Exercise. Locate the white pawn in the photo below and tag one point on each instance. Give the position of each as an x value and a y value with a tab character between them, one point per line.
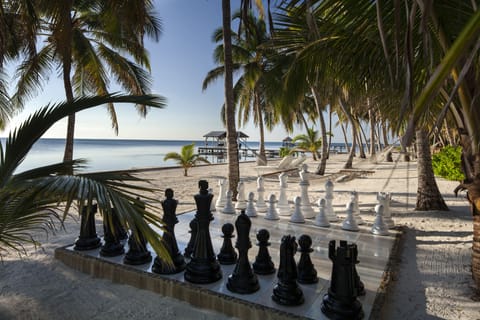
250	210
283	207
379	226
212	204
332	217
356	208
272	213
229	208
220	203
297	216
349	223
306	208
321	219
385	200
261	206
241	202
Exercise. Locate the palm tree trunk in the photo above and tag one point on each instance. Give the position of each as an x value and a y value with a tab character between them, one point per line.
385	134
261	128
323	130
428	194
232	146
371	115
351	154
329	130
344	131
476	248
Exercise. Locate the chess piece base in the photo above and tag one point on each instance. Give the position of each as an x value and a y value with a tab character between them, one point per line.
288	294
112	249
202	273
83	244
243	285
336	309
263	268
137	258
227	258
160	267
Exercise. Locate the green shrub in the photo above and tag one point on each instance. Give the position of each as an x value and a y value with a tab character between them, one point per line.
447	163
284	151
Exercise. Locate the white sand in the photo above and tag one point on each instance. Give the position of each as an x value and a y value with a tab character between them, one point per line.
431	277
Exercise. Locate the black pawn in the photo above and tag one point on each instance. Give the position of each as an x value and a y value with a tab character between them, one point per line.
112	246
263	261
118	228
243	280
193	235
88	239
305	268
287	292
227	254
169	206
137	245
203	266
341	300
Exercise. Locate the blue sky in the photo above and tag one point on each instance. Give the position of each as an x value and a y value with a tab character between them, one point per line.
179	62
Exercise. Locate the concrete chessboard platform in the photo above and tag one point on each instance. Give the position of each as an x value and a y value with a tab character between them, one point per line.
373	253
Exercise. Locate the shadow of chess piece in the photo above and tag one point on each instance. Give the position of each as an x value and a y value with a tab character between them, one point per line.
203	266
263	262
137	244
287	292
169	206
341	300
88	238
305	268
193	235
112	246
243	280
227	253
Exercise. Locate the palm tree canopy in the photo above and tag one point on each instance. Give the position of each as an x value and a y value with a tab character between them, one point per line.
187	157
309	141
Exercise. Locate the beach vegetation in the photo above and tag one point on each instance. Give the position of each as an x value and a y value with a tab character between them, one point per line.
447	163
187	158
309	142
38	198
90	43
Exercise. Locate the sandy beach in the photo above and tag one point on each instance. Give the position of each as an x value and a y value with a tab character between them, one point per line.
430	276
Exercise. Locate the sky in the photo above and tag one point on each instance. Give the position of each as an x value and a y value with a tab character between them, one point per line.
179	61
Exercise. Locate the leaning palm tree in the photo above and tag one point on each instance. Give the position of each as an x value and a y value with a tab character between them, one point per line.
308	142
186	158
90	43
35	198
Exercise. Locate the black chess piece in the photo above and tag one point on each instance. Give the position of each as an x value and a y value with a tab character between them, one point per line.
169	240
286	291
137	245
112	245
203	267
193	235
243	280
88	239
305	268
118	228
263	263
341	300
227	254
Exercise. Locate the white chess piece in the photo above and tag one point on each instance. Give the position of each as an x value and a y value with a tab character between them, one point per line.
212	204
229	208
385	198
379	226
297	216
272	213
332	217
220	203
356	208
321	219
261	206
306	207
283	207
349	223
250	209
241	202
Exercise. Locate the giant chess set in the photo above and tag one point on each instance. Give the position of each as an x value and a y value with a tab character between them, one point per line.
261	258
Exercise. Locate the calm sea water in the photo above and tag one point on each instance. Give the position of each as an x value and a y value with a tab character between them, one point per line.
113	154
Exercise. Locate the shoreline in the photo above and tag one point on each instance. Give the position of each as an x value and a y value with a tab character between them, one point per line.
430	276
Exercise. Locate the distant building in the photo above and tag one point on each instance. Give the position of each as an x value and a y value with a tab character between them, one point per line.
288	143
217	138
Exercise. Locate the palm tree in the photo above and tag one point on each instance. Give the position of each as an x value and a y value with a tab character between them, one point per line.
186	158
308	142
93	40
35	198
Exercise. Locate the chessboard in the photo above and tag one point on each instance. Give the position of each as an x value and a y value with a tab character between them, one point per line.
374	252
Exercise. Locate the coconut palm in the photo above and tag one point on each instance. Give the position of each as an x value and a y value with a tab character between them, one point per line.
309	142
91	42
186	158
36	198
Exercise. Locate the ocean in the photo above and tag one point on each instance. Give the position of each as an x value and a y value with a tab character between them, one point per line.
116	154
